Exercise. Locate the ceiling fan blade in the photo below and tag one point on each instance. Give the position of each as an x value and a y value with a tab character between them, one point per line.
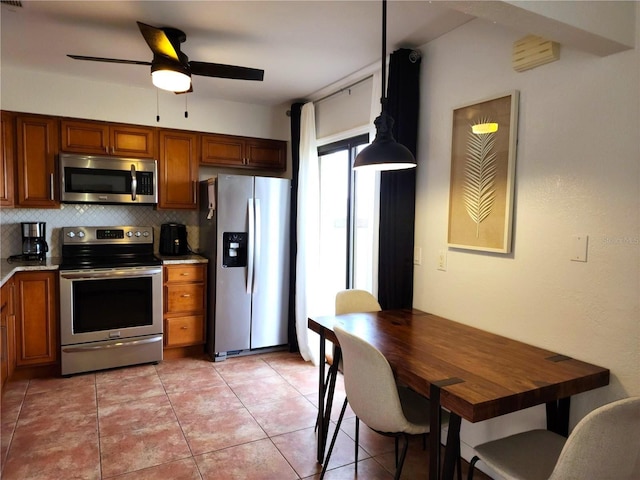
108	60
159	42
226	71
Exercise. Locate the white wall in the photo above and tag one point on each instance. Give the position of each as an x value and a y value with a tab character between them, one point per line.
578	172
39	92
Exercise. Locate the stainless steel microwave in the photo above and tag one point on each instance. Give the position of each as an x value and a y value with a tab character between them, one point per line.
94	179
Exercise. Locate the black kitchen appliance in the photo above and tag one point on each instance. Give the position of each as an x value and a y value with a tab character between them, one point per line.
34	245
173	239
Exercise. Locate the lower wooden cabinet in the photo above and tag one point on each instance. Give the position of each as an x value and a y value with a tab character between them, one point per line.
36	318
184	304
7	331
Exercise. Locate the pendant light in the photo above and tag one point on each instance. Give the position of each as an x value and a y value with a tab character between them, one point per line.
384	153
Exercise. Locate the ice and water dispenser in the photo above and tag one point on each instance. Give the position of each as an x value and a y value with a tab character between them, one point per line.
234	248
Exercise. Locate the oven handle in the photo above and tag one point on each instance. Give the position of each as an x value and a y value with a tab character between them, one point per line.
118	344
112	273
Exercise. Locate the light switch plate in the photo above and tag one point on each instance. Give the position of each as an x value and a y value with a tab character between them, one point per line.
442	260
579	247
417	256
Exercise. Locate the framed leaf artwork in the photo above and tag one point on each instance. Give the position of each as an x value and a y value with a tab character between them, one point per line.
483	157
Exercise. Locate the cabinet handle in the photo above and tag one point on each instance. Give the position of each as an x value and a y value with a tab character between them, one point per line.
51	186
186	295
195	192
184	274
184	328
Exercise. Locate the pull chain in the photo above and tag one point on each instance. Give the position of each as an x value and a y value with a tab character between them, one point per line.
157	106
186	112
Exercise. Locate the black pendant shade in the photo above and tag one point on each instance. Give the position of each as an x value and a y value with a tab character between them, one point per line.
384	153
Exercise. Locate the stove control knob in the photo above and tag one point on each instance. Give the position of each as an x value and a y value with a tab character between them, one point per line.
81	234
138	234
145	234
71	234
129	234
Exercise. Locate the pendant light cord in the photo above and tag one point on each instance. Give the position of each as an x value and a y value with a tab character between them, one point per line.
383	99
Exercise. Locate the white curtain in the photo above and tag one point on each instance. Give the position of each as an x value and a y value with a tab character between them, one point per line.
308	234
376	108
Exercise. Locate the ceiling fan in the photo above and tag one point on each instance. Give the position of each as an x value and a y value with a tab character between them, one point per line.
170	68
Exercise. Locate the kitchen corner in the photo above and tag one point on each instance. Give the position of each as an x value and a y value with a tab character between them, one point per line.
8	269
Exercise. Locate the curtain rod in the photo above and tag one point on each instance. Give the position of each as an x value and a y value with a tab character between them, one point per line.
362	80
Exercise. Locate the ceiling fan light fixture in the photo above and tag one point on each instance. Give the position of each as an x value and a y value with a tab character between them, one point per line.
172	78
384	153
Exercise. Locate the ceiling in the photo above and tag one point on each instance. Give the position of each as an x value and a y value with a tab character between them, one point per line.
303	46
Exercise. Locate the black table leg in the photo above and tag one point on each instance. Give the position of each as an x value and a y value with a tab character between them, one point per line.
452	450
558	416
434	432
322	440
324	409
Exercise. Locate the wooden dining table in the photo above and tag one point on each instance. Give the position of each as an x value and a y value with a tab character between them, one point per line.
473	374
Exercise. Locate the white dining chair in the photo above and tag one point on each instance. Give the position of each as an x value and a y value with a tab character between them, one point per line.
376	399
604	445
349	301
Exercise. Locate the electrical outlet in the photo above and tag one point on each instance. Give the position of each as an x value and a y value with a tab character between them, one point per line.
442	260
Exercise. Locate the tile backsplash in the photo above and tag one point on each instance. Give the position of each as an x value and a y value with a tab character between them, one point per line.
72	215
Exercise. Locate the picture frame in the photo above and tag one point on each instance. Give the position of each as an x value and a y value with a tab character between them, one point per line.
483	161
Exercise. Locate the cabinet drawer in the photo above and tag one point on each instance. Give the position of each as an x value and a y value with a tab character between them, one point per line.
181	331
185	273
185	298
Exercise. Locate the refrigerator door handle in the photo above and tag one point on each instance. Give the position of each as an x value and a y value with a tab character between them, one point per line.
257	243
250	244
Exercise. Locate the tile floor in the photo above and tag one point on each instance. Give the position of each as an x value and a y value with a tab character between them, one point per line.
186	419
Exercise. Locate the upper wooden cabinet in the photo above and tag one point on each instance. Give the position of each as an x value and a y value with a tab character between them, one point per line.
7	159
37	145
178	170
99	138
243	152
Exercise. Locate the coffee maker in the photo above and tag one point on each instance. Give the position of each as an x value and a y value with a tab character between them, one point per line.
34	245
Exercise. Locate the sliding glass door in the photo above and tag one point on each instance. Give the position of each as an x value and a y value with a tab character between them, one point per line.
348	221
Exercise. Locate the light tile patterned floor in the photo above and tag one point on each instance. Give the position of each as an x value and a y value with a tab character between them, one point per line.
188	419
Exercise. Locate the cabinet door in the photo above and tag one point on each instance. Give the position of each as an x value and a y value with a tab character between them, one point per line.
184	331
36	318
7	335
130	141
8	158
222	150
184	298
98	138
84	137
178	170
263	153
37	146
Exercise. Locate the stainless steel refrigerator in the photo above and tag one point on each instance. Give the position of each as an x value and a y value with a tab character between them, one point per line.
244	232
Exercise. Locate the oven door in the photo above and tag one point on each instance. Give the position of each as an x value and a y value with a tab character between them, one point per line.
110	304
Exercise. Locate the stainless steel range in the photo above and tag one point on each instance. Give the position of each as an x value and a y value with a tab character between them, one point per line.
110	298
